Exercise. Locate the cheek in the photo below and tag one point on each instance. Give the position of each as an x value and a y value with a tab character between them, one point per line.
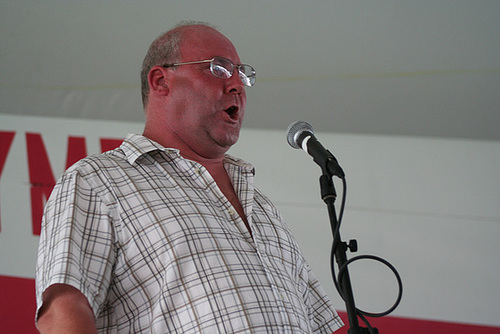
190	104
243	103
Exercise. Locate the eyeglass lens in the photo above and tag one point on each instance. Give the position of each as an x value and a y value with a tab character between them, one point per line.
223	68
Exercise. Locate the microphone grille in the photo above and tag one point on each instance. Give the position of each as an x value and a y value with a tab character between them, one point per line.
294	129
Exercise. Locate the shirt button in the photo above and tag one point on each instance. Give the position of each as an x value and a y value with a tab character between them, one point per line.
231	212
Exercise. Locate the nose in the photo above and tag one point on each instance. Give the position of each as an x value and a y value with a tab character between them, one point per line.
234	85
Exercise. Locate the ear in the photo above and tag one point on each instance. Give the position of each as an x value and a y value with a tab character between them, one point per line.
158	82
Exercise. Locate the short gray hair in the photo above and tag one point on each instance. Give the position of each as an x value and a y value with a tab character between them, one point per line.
164	50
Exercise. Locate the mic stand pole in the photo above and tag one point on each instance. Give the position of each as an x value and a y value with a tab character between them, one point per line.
329	195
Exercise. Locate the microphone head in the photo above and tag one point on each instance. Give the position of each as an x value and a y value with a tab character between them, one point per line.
294	131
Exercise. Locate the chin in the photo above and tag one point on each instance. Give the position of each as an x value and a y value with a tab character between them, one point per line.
228	142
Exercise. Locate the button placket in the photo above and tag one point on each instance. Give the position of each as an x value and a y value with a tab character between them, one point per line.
215	195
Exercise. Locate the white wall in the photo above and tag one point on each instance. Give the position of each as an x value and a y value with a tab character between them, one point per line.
428	206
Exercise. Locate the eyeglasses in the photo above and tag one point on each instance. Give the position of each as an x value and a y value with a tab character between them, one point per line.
223	68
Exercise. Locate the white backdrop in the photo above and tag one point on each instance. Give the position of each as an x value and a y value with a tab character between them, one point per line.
428	206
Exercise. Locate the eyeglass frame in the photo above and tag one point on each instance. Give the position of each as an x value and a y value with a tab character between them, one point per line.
251	78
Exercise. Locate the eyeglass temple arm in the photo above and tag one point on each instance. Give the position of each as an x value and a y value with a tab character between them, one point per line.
188	63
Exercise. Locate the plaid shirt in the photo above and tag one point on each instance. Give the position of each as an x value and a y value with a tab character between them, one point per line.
154	245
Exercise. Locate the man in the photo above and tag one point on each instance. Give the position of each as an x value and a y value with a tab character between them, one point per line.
166	234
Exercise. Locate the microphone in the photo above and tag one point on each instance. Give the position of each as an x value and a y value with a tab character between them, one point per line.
300	134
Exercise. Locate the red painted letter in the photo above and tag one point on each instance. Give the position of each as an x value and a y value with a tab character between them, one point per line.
41	178
77	149
108	144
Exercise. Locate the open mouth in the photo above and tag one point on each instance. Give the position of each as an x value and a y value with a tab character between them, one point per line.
232	112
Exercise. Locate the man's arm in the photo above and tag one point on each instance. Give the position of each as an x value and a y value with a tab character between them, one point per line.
65	310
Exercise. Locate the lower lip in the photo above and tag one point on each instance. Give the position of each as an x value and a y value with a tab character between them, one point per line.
234	118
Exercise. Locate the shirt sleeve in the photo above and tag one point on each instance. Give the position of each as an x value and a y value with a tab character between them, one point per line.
324	319
76	241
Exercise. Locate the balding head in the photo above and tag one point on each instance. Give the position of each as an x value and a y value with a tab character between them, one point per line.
166	49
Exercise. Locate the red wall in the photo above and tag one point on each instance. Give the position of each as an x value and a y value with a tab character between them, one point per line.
17	312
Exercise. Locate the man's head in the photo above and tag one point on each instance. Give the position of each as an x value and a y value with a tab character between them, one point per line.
190	106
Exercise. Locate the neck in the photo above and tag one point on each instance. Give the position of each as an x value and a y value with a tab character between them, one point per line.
209	161
210	164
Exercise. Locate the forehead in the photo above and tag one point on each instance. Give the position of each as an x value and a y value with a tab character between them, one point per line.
202	43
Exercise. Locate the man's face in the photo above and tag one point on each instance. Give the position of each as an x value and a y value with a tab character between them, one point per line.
204	111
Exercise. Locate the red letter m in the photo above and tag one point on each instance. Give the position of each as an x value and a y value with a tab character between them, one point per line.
42	179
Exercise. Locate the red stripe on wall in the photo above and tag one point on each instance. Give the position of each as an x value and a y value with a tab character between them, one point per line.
17	305
397	325
17	312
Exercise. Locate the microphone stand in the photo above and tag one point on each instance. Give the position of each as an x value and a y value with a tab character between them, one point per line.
330	168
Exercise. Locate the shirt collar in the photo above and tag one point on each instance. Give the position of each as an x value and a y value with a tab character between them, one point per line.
135	146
